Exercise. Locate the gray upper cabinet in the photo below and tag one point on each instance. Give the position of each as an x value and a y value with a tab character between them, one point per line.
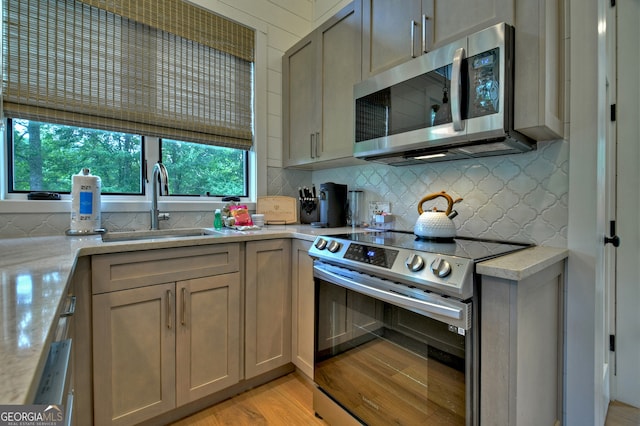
539	69
395	31
318	77
300	109
456	18
390	33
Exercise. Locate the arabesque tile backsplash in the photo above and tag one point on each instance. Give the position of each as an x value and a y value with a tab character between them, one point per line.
522	197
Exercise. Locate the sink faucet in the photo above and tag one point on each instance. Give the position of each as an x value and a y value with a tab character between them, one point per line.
161	177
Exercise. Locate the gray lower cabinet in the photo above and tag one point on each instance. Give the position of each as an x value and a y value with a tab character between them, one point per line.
207	336
133	354
159	345
303	309
267	305
522	349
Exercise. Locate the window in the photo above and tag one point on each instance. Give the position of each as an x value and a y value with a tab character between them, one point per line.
44	156
196	169
164	69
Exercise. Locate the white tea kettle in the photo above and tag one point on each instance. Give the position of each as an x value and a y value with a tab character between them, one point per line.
435	224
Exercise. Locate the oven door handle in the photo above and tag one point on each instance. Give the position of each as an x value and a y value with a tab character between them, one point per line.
428	308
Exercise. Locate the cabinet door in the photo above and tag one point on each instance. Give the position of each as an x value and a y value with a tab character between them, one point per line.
133	354
386	33
539	81
302	306
395	31
268	306
208	336
300	103
317	92
341	46
454	19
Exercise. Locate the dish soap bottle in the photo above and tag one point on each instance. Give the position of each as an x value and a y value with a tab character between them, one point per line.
217	219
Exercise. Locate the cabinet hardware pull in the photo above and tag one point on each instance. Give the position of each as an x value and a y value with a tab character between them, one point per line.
184	305
318	151
169	309
424	33
311	145
413	37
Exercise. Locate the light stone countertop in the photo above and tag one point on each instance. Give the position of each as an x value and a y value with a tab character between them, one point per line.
36	273
522	264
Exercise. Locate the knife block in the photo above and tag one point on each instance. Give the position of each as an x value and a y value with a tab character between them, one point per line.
310	214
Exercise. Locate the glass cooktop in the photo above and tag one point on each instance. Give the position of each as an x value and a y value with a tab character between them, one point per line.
464	247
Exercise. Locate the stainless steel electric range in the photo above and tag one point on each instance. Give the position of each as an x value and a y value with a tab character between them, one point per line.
396	327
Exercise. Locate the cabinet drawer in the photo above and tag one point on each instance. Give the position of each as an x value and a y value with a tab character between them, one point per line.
119	271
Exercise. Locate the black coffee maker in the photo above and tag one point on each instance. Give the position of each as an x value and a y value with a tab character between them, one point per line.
333	205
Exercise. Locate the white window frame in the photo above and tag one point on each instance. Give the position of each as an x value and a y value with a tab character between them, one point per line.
18	202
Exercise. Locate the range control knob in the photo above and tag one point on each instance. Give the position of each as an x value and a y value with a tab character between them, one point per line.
334	246
440	267
321	244
414	263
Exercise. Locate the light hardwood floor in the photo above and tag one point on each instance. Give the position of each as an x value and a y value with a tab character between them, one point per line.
620	414
288	401
285	401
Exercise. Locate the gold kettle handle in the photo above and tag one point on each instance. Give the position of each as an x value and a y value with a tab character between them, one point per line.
450	201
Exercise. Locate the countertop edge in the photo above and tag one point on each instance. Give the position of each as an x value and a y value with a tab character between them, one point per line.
522	264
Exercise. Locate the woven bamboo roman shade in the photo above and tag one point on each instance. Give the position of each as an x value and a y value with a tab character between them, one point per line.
161	68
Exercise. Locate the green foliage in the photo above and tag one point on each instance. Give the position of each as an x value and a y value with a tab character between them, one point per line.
196	169
45	156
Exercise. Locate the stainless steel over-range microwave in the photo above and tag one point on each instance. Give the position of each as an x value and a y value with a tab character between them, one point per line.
451	103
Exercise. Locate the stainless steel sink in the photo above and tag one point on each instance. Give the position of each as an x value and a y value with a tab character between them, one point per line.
110	237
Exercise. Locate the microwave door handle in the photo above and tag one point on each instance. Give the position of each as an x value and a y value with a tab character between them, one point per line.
456	90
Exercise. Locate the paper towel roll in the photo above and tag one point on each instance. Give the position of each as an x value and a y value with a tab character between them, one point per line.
85	201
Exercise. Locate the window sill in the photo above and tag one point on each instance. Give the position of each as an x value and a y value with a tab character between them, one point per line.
114	206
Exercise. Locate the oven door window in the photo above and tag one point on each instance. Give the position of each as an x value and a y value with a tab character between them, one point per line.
387	365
